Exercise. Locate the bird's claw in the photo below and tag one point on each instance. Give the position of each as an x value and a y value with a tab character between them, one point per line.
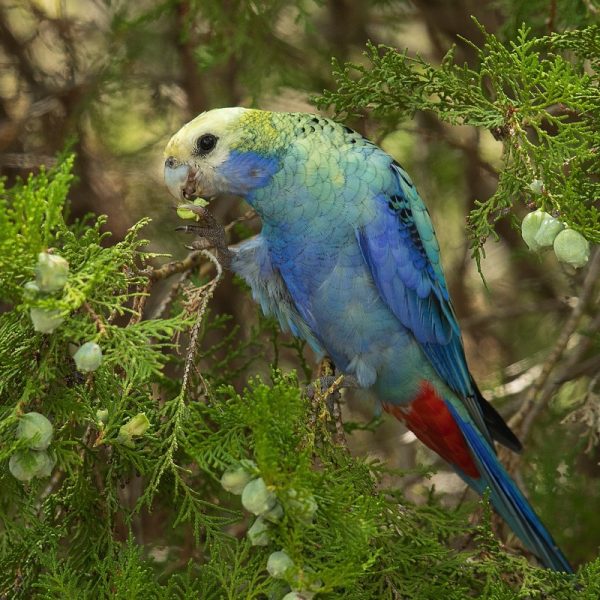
322	384
210	234
327	388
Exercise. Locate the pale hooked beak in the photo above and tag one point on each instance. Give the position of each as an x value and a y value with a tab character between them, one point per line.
180	179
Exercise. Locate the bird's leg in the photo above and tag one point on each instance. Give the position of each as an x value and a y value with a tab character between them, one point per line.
327	388
327	378
211	234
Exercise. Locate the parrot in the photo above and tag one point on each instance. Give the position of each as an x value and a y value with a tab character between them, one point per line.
347	259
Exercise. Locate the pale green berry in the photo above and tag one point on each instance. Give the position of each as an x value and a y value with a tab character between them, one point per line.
31	290
548	230
24	465
183	212
572	248
257	498
278	564
51	272
45	469
45	321
537	186
88	358
136	426
235	481
258	534
530	226
297	596
275	514
36	430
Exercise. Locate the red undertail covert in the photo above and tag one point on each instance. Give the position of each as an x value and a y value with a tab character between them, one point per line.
428	417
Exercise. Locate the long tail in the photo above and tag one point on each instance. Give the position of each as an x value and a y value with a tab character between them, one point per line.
508	499
439	424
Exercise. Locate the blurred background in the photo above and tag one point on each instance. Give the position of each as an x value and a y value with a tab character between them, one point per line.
112	80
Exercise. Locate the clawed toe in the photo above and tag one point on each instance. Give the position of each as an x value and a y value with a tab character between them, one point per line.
210	234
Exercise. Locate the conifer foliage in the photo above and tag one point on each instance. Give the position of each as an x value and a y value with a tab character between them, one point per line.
139	455
133	409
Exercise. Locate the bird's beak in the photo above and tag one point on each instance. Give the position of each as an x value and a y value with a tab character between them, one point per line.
181	180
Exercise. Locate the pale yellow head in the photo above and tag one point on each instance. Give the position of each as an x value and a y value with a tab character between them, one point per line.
194	154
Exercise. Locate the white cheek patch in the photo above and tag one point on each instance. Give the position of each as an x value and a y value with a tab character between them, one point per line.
206	167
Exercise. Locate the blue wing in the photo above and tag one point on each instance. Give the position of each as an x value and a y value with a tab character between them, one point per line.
403	255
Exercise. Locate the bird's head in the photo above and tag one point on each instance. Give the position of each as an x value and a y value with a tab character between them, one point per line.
222	151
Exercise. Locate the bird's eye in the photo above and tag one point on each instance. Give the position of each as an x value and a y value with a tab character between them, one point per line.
206	143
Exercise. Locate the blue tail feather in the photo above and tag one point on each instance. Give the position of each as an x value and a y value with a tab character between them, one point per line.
508	500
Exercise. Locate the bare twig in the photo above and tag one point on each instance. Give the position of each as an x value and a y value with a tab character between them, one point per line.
247	216
96	318
552	16
171	294
542	389
26	160
198	302
177	266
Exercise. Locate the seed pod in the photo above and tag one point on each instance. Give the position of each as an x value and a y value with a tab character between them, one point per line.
274	514
24	465
183	212
235	481
278	563
36	430
51	272
572	248
530	226
258	534
548	230
45	321
45	469
136	426
257	498
88	358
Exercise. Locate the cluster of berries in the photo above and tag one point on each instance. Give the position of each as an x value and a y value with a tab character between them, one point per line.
541	230
51	273
261	500
35	460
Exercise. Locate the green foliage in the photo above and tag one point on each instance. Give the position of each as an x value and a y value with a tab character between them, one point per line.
538	96
80	532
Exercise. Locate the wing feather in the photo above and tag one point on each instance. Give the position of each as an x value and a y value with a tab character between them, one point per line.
403	255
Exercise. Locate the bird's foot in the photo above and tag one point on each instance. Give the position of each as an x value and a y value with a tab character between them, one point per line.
210	234
327	385
325	390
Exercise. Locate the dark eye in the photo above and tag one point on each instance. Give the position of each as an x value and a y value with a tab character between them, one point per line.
206	143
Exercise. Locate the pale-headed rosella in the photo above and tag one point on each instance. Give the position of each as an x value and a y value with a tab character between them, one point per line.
348	260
